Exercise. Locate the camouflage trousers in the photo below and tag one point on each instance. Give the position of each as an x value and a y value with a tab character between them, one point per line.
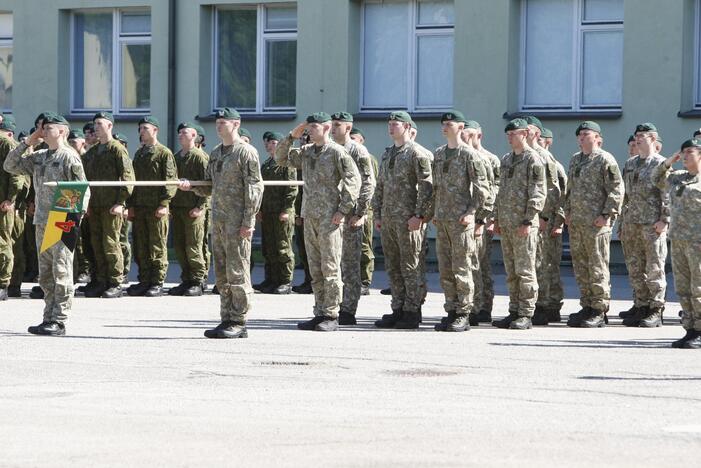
126	246
276	243
367	255
547	265
591	249
83	257
686	266
519	263
402	250
104	236
302	251
323	241
55	278
20	261
188	233
645	253
232	267
150	245
455	249
423	286
482	272
350	267
206	252
7	223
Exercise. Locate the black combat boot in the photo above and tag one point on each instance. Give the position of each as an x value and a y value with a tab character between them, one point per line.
521	323
114	291
652	318
154	290
193	289
574	319
484	316
594	319
409	321
138	289
506	321
629	313
36	293
540	316
14	291
177	290
304	288
96	291
443	324
48	329
634	320
389	320
459	323
227	329
346	318
283	289
386	291
264	284
553	314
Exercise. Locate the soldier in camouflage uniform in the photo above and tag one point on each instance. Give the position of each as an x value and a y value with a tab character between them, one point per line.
644	235
332	184
188	212
632	147
236	191
592	202
83	257
306	286
684	188
342	123
10	188
277	218
461	192
59	162
519	202
402	201
107	160
149	208
126	224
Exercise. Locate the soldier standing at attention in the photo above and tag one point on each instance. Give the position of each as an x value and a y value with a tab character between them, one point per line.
245	135
461	192
593	200
188	211
59	162
277	218
83	258
107	160
684	187
519	202
150	206
644	235
401	203
306	286
342	124
11	186
236	191
332	184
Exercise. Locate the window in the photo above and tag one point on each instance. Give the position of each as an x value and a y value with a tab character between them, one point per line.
572	55
255	58
697	56
5	62
111	57
407	55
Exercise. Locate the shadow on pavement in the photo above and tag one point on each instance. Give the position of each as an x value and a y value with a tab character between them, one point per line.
594	344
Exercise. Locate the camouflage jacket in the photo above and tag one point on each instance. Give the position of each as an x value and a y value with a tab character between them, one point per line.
363	161
643	202
594	188
331	178
46	165
554	196
192	166
492	165
278	199
685	199
10	184
460	184
522	190
405	184
108	162
237	186
156	163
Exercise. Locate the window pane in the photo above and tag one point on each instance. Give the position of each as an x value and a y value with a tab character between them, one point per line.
436	12
603	10
548	54
281	73
385	59
603	70
92	69
6	77
136	22
6	25
281	18
236	56
435	71
136	76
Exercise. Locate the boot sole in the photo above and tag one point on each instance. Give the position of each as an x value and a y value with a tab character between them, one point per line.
223	336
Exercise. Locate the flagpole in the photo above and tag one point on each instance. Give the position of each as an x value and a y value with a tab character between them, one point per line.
161	183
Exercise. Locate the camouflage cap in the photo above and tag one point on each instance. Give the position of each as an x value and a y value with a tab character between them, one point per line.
473	124
453	116
342	117
546	133
76	133
693	143
227	113
400	116
55	119
89	127
357	131
318	117
645	127
516	124
103	115
119	137
149	119
245	133
588	125
182	125
269	135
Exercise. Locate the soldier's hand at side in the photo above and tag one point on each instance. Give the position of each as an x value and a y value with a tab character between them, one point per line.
568	219
196	212
161	211
556	231
298	131
126	214
496	228
246	232
414	223
357	221
337	218
479	230
283	217
467	219
542	225
660	227
600	221
185	185
490	228
7	205
117	210
130	215
523	230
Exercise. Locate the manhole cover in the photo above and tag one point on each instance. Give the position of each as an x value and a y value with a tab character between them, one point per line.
422	372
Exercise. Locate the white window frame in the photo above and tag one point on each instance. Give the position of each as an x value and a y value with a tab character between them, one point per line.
4	42
118	39
579	28
263	36
697	54
415	32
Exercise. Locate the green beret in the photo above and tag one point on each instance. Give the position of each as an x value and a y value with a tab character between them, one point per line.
227	113
546	133
103	115
693	143
75	134
199	130
645	127
631	139
318	117
342	117
453	116
8	124
659	139
149	119
55	119
22	134
400	116
182	125
41	117
516	124
697	133
357	131
89	127
119	137
9	118
268	136
532	120
413	125
245	133
473	124
588	125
